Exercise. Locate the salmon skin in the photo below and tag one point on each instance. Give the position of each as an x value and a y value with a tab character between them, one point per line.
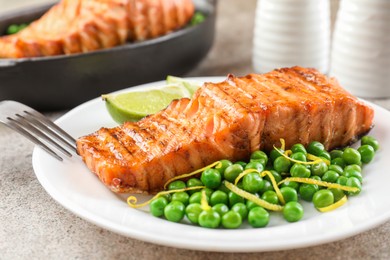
226	120
76	26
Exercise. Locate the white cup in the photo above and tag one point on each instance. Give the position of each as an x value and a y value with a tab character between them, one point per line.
360	56
291	32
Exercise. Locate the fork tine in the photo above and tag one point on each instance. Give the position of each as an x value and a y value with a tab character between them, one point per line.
38	116
37	128
24	123
36	121
19	129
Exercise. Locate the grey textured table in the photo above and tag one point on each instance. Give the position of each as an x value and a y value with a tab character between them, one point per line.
34	226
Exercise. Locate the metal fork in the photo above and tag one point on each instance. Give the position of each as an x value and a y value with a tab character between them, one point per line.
37	128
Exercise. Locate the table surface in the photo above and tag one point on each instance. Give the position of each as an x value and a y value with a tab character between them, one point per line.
34	226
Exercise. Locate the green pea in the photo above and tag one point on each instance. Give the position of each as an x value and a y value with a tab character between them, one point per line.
241	209
367	153
289	194
336	168
174	211
267	186
232	172
218	197
252	182
276	176
298	148
323	198
270	196
255	165
193	182
315	148
275	154
259	155
197	197
324	154
330	176
234	199
177	185
12	29
300	170
369	140
262	161
209	219
298	156
351	156
342	180
231	220
292	184
338	194
223	188
223	166
317	178
208	191
258	217
193	211
354	167
211	178
221	209
181	196
282	164
293	211
338	161
167	196
336	154
157	206
318	169
353	173
307	191
354	182
242	163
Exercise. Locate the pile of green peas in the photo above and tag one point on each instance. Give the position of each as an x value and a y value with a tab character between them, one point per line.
229	210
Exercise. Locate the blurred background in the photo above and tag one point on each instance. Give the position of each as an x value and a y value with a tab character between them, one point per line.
232	49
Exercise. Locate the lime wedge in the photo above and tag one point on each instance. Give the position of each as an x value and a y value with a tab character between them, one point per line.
192	86
132	106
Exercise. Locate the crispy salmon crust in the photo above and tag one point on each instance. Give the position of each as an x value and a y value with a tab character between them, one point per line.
76	26
226	120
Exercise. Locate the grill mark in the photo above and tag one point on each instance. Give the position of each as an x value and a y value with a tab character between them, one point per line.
326	102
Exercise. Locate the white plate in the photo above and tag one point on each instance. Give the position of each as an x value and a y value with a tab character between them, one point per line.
72	185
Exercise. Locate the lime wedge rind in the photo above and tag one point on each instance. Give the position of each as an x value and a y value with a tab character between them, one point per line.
192	85
134	105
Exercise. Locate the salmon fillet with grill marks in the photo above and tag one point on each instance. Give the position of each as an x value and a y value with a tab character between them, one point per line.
75	26
226	120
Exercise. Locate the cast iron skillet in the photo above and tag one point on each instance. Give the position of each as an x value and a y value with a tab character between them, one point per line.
62	82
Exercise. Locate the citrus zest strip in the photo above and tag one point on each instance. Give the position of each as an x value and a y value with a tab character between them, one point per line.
253	198
320	183
283	144
241	175
309	156
315	158
203	201
217	163
335	205
275	185
132	200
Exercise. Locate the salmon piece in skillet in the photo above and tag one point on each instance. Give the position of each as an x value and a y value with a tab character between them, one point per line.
75	26
228	120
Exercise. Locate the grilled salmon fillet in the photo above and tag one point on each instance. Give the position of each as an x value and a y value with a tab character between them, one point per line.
226	120
75	26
